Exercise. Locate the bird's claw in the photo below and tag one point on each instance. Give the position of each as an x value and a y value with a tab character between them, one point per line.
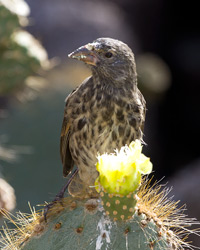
58	197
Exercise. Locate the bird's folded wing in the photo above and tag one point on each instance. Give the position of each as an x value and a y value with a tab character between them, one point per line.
66	157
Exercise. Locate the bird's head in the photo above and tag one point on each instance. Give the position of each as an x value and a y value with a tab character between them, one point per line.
109	58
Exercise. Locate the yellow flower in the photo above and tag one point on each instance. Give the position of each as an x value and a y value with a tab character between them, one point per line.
120	173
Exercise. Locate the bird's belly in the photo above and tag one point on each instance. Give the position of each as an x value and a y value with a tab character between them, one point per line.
96	139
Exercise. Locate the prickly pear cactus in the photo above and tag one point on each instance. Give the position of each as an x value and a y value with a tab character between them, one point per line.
156	224
17	63
129	213
13	14
119	178
21	55
84	225
9	22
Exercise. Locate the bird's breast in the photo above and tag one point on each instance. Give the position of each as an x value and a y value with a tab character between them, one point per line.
104	124
103	129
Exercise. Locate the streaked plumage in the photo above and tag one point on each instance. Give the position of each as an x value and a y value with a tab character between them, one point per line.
105	112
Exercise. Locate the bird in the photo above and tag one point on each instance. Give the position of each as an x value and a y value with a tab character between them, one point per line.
105	112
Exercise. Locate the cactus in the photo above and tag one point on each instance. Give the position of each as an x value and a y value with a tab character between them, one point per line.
17	63
119	178
9	22
150	221
83	224
12	14
20	53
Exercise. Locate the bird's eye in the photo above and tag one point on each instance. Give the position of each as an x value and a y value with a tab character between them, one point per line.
108	54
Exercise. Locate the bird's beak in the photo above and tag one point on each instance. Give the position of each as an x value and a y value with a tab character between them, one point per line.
86	54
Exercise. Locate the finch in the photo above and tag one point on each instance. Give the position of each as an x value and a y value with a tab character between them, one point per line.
106	112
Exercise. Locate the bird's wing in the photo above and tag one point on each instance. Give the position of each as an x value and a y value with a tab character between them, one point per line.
67	125
65	153
66	157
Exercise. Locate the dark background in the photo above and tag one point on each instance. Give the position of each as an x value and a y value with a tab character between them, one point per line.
166	29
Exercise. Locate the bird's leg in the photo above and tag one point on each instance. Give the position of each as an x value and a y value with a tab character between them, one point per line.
59	196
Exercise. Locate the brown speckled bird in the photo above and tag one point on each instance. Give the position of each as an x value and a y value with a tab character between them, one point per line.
105	112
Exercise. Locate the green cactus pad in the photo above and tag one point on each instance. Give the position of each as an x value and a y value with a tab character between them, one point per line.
119	207
84	225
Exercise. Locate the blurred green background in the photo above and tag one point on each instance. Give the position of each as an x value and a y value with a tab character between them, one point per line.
35	125
32	130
